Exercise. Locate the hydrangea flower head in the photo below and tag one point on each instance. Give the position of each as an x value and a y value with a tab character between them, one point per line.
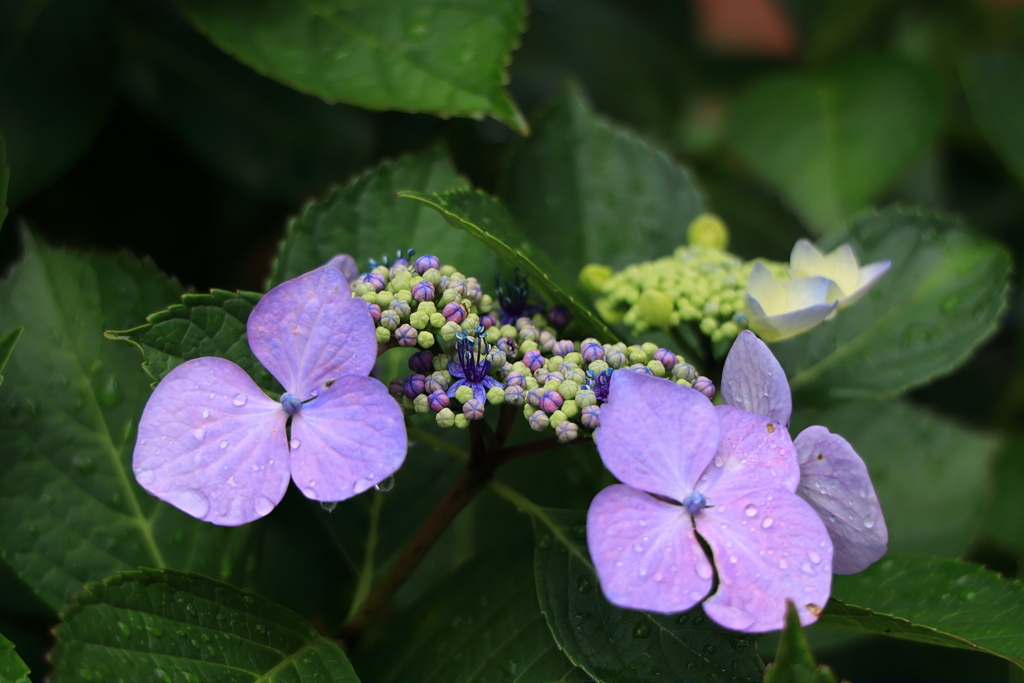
833	478
781	308
211	443
851	280
689	467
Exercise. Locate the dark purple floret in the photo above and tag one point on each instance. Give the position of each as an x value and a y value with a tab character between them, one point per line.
560	316
422	362
414	385
512	299
471	367
599	384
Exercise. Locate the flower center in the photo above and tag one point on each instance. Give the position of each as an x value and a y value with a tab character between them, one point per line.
291	403
695	502
599	383
471	356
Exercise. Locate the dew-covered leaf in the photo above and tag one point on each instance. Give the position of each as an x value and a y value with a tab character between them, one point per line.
481	623
201	325
942	297
443	58
165	625
70	510
932	600
589	191
487	220
58	63
994	85
616	645
929	472
12	669
830	143
7	343
794	661
366	220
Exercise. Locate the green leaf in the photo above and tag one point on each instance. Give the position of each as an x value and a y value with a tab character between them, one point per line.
931	600
152	625
486	219
829	144
794	662
616	645
201	325
586	191
994	85
12	669
256	133
429	56
481	623
70	510
1004	514
7	343
57	85
366	220
5	177
929	473
941	298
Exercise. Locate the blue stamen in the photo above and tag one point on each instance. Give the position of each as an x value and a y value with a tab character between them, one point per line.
695	502
291	403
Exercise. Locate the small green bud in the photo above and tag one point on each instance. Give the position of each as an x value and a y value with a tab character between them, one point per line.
529	410
445	417
460	421
649	348
655	307
449	296
584	398
598	366
495	395
593	275
370	297
656	368
531	382
552	364
492	336
608	311
508	331
407	405
361	288
419	320
636	355
463	394
471	322
574	357
421	404
708	230
433	276
571	409
427	307
441	362
486	304
437	320
424	339
528	345
384	299
383	335
557	418
406	296
552	385
449	330
569	388
708	325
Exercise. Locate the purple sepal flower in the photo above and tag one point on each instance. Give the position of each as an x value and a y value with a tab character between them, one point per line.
406	335
666	358
423	291
375	279
374	312
833	478
599	383
590	417
767	543
347	265
426	262
471	367
438	401
414	385
211	443
705	386
473	409
563	347
488	320
453	312
422	362
592	351
533	359
551	401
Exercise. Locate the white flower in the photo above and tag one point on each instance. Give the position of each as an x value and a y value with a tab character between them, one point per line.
841	267
779	309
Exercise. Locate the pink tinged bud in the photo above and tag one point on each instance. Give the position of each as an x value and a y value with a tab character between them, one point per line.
402	308
487	320
438	401
547	341
453	313
562	347
436	382
665	357
473	409
533	359
539	421
426	262
414	385
374	312
396	387
406	335
422	362
423	291
705	386
515	379
551	401
534	395
566	431
589	417
592	351
375	279
390	319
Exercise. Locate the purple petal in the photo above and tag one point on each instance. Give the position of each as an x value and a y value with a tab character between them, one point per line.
347	265
656	435
479	393
769	546
645	552
754	381
835	481
455	369
755	452
213	444
346	440
310	330
455	387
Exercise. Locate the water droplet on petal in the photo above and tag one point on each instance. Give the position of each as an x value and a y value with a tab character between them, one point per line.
733	559
767	522
223	444
638	548
193	502
703	570
206	414
199	433
239	399
295	443
869	522
815	557
718	461
329	505
750	510
386	485
807	568
642	522
263	506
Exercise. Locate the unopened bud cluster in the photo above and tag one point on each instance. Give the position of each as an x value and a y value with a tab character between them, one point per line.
422	303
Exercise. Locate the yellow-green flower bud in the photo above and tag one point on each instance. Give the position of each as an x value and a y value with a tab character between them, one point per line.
655	307
419	320
370	297
593	275
495	395
424	339
460	421
528	345
421	404
557	418
383	335
437	320
463	394
568	388
405	295
598	366
608	311
571	409
529	410
708	230
656	368
449	330
427	307
445	417
636	355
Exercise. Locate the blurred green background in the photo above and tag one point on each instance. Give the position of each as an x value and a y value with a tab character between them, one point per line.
126	128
